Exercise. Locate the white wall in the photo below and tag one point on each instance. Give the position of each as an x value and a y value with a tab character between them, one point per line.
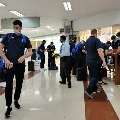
101	20
49	39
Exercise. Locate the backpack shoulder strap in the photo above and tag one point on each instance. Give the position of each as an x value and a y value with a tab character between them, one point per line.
24	38
9	36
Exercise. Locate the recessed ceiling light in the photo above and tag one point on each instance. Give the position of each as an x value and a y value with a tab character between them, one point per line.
35	30
67	6
17	13
48	26
52	29
2	5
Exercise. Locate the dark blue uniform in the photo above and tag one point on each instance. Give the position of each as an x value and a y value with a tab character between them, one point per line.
51	60
105	47
72	59
115	44
15	49
42	55
93	62
79	57
119	44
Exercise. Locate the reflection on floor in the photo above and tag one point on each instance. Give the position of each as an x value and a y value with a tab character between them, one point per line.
43	98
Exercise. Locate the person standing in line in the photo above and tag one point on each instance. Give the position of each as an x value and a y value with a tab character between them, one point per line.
94	56
41	52
51	48
65	61
72	59
37	53
80	54
114	43
14	58
105	48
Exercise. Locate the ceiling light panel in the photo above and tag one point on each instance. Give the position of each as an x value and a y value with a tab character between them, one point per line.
17	13
52	29
2	5
48	27
67	6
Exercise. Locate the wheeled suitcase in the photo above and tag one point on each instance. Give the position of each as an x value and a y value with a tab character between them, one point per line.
31	66
53	68
53	65
104	72
81	74
33	57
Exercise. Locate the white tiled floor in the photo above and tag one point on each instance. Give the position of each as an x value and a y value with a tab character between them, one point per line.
43	98
113	94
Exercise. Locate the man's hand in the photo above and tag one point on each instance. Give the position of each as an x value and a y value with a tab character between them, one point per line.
21	59
7	64
84	51
104	64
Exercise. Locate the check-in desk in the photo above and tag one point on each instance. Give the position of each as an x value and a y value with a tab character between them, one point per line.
117	68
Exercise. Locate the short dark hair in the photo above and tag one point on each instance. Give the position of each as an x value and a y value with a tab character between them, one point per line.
118	34
52	43
17	22
63	37
113	37
94	31
74	38
108	42
44	41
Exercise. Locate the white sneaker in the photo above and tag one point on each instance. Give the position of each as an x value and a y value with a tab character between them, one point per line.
44	69
98	91
3	84
89	95
41	70
72	75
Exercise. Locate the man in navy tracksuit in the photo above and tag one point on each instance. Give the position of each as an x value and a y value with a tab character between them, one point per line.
94	56
51	60
14	63
41	52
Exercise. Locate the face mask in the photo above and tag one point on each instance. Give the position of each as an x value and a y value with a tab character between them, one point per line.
17	32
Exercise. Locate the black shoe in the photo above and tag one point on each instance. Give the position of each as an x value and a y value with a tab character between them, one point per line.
61	82
102	83
69	86
17	105
8	112
89	95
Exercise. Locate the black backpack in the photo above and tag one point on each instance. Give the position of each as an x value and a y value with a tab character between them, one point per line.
38	50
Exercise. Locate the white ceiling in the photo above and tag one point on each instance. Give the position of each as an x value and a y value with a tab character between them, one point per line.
52	12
